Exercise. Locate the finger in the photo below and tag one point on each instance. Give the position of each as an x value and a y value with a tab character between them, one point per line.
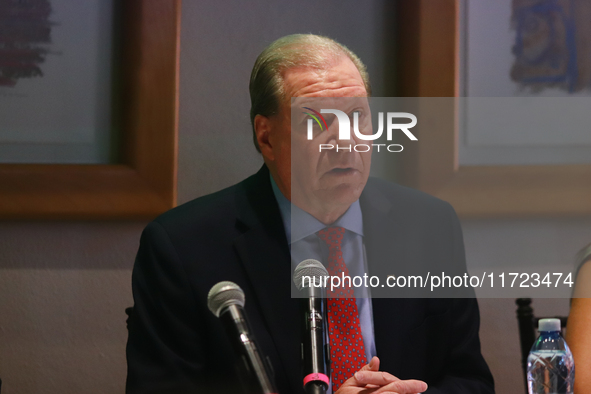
403	387
374	365
378	378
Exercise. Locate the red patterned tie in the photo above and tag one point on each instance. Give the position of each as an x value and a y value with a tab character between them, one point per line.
346	342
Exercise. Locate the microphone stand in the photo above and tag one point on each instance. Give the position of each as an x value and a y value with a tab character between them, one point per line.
255	373
315	354
315	388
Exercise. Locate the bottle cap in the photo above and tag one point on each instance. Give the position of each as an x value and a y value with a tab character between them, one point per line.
549	325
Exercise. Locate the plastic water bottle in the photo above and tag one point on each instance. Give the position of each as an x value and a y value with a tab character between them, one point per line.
550	365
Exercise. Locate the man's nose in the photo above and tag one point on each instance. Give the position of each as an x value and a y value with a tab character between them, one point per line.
332	134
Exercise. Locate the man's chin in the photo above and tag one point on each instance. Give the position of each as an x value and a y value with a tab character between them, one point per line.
342	193
329	191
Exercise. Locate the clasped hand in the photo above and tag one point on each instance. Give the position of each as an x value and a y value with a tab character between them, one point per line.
370	380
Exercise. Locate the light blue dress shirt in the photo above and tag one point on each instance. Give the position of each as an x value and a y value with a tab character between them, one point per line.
301	229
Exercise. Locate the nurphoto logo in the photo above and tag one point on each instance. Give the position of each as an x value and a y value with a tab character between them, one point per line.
344	124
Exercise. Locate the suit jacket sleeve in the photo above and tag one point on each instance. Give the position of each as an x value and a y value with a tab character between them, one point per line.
467	371
164	349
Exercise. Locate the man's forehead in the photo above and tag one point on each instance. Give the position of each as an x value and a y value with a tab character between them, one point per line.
338	79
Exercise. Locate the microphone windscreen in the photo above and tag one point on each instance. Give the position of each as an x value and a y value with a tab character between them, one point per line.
223	295
310	268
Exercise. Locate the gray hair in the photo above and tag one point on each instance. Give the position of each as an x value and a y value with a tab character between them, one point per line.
266	87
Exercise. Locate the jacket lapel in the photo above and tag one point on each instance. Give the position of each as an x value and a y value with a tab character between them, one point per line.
264	253
383	235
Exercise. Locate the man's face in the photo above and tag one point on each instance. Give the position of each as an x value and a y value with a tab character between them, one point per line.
324	183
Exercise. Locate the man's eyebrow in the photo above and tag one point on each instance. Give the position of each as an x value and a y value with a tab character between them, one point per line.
305	102
345	106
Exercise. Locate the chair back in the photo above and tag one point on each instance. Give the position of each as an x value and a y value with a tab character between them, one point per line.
128	312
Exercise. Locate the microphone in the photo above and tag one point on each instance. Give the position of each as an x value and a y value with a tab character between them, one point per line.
308	277
226	301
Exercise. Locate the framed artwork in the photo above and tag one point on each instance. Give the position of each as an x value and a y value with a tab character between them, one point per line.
141	183
430	66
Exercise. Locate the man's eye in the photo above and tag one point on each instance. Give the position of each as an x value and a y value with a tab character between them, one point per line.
316	128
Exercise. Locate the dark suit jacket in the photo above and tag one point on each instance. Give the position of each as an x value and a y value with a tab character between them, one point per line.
177	345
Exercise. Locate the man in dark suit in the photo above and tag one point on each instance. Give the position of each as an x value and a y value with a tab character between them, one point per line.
240	234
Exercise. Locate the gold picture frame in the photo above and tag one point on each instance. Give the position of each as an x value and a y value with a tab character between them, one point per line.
429	66
145	183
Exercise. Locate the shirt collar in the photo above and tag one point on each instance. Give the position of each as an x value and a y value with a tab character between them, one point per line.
299	224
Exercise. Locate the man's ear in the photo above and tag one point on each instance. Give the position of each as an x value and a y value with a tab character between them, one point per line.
263	128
